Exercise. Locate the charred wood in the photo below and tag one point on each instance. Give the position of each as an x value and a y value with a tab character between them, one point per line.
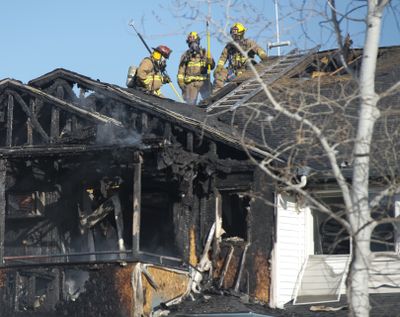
144	124
226	266
137	185
241	267
189	141
98	214
28	112
167	131
3	169
10	120
55	116
119	221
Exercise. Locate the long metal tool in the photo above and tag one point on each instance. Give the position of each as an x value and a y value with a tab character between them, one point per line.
162	71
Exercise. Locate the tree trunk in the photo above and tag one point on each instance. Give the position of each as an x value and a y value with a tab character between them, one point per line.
360	214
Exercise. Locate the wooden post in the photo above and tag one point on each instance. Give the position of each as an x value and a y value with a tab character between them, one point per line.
189	141
137	189
29	127
74	124
55	117
167	131
144	122
10	120
3	168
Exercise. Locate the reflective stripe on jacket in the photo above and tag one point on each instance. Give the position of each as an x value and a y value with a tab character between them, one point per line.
147	76
193	67
237	61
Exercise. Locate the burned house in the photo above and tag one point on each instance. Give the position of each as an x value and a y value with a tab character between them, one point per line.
96	180
117	202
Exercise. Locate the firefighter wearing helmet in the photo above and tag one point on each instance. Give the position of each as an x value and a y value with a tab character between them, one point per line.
237	62
192	72
149	74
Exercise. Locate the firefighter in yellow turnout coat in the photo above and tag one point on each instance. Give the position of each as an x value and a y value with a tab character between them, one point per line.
149	74
192	72
237	62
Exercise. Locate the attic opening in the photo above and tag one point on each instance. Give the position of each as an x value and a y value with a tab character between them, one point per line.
234	212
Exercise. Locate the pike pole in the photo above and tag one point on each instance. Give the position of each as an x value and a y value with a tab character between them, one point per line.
162	71
208	51
208	47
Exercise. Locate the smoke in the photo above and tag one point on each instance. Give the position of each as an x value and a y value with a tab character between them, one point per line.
75	283
108	134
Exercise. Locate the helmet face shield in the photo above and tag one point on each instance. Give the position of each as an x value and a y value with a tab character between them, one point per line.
194	48
156	55
237	31
192	37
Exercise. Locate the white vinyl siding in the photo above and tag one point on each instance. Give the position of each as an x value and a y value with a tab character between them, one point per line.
293	244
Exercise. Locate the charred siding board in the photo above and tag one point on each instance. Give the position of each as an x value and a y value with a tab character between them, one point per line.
261	229
171	284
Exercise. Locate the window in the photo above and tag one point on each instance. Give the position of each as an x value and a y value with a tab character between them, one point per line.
329	235
331	238
234	214
383	236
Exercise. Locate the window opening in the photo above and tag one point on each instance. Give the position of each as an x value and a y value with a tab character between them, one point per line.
157	226
234	215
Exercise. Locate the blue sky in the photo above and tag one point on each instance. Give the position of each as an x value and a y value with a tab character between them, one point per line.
92	37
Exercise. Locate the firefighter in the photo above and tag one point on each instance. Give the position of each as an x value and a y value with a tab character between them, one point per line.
237	62
150	73
192	73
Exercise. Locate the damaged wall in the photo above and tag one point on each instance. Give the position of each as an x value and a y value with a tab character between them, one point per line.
243	264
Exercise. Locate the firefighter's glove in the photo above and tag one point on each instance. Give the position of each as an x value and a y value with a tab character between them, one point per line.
166	79
181	84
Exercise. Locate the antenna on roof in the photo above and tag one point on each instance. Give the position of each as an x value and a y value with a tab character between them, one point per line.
278	42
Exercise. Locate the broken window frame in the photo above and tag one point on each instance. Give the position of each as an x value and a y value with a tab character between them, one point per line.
220	193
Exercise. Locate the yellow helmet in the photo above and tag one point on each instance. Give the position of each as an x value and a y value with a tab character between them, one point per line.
237	31
193	37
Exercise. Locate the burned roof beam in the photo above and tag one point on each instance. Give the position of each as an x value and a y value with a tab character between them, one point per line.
90	115
30	115
119	94
149	145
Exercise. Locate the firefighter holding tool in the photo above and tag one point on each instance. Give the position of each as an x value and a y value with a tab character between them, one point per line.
193	78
